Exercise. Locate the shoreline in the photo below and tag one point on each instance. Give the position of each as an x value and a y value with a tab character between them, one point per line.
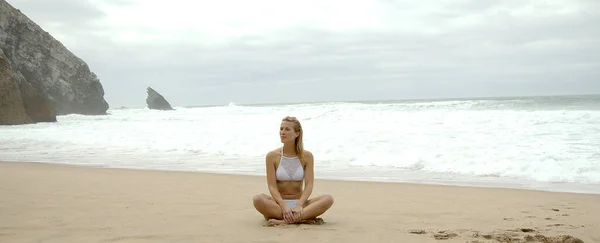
413	178
72	203
402	100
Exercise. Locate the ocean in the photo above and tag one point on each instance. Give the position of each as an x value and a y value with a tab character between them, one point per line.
543	143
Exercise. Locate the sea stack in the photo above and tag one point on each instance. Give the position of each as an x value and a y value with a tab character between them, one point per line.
51	79
156	101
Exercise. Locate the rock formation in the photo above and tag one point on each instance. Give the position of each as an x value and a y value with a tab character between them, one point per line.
156	101
12	110
47	70
37	106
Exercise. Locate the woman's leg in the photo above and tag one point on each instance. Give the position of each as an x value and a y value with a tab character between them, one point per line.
316	206
267	206
310	211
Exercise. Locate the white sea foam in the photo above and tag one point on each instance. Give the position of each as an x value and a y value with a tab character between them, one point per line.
449	141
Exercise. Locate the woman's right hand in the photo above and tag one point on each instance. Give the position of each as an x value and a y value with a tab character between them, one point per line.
288	214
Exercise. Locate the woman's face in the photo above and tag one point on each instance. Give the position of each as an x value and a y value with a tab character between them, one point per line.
286	132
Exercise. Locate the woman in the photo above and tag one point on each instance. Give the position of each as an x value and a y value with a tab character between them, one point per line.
287	168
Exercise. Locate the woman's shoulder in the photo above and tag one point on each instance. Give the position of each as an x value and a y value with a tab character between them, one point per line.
274	152
307	154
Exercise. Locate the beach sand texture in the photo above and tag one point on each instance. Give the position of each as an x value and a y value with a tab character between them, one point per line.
60	203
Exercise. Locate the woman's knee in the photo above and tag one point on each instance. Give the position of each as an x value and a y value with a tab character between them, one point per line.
259	199
327	199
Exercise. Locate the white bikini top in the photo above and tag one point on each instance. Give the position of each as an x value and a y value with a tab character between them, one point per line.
289	169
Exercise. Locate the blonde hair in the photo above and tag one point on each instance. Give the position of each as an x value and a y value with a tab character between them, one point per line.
298	140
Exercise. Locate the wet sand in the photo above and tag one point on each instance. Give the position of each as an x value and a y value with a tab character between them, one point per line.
60	203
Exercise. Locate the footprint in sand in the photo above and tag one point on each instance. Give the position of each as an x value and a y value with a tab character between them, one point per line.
526	230
440	235
443	235
525	235
499	237
570	226
552	239
417	231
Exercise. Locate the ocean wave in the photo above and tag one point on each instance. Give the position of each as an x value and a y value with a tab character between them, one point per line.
449	137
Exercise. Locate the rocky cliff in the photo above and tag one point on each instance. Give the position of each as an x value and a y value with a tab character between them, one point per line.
156	101
12	110
21	103
46	68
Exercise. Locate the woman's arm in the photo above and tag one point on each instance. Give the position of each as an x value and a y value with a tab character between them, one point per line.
271	180
309	175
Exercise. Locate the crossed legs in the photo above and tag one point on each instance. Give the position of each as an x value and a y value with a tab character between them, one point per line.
314	207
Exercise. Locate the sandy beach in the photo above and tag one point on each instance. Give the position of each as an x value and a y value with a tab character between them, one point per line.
60	203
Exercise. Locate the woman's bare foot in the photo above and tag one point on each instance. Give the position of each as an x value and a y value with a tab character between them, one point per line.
314	221
275	222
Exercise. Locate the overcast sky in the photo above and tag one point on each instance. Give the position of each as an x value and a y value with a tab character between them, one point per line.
213	52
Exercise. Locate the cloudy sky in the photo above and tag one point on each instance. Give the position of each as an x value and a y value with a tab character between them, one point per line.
213	52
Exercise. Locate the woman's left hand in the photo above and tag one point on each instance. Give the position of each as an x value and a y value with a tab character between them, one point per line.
297	210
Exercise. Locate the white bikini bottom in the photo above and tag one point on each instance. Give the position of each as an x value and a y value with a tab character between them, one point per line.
290	202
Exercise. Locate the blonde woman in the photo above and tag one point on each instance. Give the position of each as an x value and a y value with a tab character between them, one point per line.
288	168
